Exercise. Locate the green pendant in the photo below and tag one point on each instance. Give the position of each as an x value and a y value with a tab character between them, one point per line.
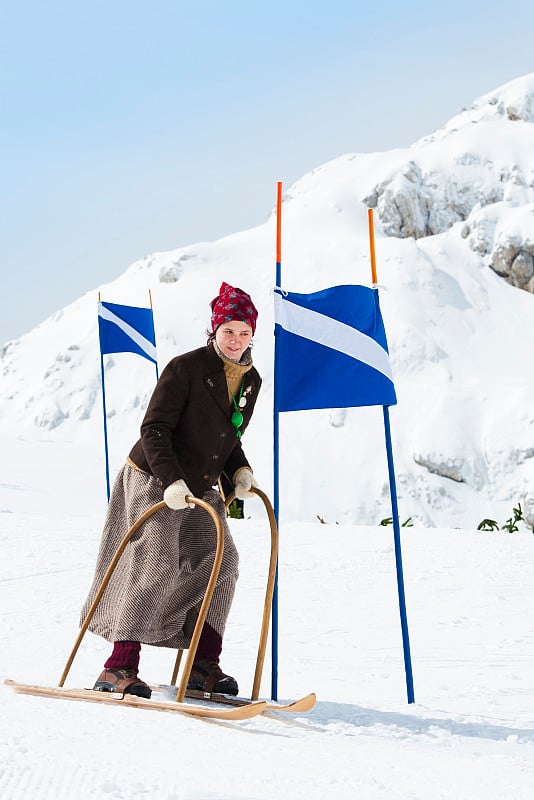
237	419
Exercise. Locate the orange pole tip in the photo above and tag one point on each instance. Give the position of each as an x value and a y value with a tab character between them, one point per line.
372	245
279	222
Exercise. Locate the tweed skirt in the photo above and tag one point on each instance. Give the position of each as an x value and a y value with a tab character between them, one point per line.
159	582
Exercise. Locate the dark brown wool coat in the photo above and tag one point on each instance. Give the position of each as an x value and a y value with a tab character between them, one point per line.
186	432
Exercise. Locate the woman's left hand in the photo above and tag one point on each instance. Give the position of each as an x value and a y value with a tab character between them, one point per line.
243	482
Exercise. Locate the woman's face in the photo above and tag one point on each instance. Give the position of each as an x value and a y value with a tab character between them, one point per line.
233	338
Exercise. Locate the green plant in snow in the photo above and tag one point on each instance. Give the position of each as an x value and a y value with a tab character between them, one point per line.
488	525
510	524
235	511
389	521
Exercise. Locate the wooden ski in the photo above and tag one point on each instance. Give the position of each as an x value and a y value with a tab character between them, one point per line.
299	706
241	712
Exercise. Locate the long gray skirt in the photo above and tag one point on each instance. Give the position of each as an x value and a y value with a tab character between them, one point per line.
159	583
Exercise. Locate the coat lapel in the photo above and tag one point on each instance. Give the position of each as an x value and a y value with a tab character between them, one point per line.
217	387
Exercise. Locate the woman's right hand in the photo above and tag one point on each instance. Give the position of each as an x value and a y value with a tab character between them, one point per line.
175	494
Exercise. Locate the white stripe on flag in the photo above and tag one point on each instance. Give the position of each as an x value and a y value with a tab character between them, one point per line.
331	333
137	337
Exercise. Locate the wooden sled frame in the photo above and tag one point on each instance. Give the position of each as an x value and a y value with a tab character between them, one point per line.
207	596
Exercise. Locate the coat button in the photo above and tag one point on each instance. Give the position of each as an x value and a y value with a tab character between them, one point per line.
223	434
215	457
206	476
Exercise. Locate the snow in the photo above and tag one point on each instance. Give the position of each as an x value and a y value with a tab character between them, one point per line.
470	733
461	339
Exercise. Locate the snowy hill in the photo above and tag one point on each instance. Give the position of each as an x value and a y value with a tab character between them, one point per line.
455	252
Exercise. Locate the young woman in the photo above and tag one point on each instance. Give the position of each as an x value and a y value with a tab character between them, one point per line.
190	436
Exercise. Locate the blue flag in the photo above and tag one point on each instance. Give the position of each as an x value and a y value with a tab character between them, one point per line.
126	329
331	350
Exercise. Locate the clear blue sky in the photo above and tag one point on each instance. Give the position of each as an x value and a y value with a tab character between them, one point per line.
129	127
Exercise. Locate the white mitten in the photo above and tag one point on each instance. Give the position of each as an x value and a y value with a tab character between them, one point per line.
243	482
175	494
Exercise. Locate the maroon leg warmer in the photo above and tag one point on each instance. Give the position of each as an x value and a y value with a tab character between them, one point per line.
209	645
125	655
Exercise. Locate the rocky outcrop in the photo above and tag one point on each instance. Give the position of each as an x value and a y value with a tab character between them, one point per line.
171	273
468	468
507	240
514	261
449	180
446	467
422	203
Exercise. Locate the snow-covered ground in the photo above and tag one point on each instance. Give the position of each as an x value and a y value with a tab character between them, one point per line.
469	735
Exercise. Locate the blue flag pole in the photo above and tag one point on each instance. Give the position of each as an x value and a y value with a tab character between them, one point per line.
394	506
105	423
276	487
156	362
398	560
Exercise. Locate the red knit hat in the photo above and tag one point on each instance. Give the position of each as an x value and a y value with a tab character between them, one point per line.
232	303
